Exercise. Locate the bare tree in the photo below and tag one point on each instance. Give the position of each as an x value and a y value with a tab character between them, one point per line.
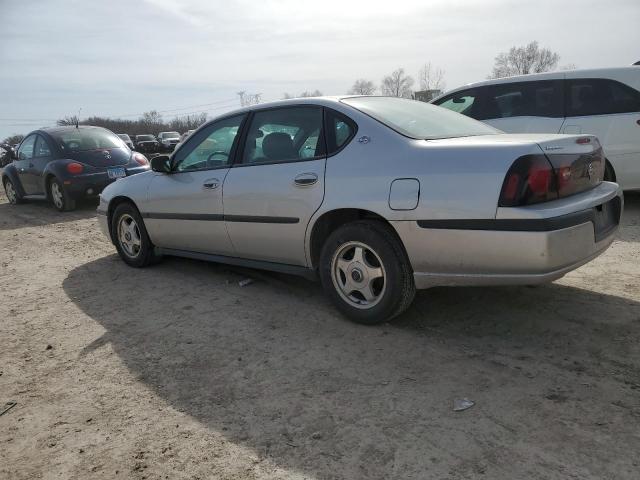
306	93
362	87
398	84
523	60
247	99
13	139
431	77
68	120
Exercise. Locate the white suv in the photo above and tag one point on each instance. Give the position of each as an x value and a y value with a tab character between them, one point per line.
602	102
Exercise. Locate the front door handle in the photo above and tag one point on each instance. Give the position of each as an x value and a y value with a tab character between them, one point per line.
211	184
306	179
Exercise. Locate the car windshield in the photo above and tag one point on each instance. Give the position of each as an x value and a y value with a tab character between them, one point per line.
144	138
83	139
124	137
419	120
171	135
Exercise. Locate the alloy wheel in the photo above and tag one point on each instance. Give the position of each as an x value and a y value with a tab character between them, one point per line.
358	275
57	195
11	192
129	236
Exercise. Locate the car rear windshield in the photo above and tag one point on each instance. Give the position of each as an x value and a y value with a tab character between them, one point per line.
82	139
419	120
171	135
124	137
145	138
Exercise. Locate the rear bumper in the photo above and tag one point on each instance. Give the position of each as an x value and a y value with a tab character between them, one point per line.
510	254
92	184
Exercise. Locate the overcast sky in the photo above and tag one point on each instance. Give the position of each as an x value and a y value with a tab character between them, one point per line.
124	57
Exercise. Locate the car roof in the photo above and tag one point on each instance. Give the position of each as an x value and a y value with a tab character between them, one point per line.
629	75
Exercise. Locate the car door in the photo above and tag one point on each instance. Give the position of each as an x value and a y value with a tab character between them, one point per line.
524	107
24	163
184	208
42	155
277	184
609	110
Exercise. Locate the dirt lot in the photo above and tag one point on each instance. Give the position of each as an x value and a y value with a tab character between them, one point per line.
177	372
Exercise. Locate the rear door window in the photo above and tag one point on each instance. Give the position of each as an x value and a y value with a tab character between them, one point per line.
285	135
599	96
524	99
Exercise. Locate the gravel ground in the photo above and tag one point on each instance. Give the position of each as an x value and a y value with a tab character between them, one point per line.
177	372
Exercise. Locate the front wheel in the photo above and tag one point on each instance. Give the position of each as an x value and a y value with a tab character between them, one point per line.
130	236
365	271
60	197
12	193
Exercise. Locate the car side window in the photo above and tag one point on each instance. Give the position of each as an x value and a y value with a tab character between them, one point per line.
541	98
598	96
340	130
213	146
286	134
463	102
41	148
25	151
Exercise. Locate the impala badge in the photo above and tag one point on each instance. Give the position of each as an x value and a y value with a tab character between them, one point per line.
107	154
591	170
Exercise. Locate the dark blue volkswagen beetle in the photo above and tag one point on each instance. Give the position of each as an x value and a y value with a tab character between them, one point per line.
64	164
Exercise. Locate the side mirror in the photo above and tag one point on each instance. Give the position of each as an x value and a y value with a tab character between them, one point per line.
161	164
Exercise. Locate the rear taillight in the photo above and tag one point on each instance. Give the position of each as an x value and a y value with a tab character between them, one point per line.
530	179
74	168
140	159
540	178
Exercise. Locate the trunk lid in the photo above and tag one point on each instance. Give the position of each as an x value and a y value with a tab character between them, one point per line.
102	157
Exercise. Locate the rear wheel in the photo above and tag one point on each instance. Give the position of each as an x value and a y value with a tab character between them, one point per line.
130	236
60	197
12	193
365	271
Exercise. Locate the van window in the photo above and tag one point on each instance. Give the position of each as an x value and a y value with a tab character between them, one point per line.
599	96
464	102
524	99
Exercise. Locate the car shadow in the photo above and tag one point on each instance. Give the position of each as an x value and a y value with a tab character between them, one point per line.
271	366
35	213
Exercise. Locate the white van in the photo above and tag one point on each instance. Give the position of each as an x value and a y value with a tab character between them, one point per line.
602	102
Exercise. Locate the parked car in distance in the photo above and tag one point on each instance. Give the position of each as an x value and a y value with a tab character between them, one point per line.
377	196
183	137
64	164
146	143
127	140
601	102
6	154
168	140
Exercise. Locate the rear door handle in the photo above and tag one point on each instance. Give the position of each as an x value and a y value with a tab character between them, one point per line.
306	179
211	184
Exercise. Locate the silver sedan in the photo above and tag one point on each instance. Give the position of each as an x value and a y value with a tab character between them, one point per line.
376	196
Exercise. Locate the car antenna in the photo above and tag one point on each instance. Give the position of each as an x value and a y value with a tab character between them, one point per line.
78	118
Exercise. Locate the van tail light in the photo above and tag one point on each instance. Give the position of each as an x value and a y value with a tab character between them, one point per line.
541	178
140	159
74	168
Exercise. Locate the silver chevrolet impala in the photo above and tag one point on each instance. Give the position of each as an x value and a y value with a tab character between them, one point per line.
376	196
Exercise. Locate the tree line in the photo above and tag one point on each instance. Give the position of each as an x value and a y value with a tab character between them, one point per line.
522	60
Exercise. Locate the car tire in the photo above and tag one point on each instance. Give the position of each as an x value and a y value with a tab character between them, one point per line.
13	195
365	271
60	197
130	237
609	173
